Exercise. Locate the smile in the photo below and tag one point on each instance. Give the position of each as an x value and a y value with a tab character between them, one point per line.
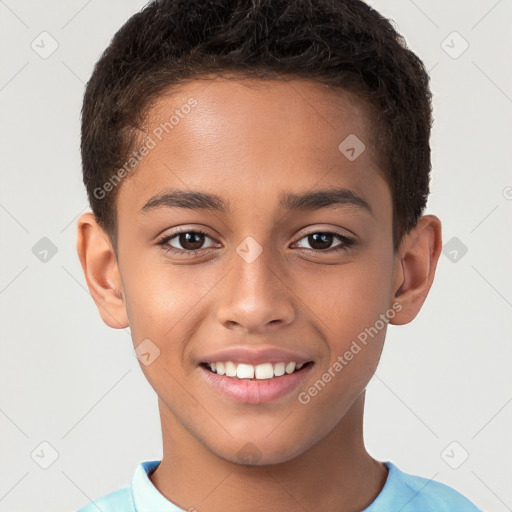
254	384
249	371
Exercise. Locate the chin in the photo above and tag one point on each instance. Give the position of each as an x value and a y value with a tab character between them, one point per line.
259	451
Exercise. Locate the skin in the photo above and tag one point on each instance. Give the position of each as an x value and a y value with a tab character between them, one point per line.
249	142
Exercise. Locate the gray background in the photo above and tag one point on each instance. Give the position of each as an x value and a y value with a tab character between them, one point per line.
443	388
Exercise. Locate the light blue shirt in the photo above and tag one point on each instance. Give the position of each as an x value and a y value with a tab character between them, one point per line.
401	492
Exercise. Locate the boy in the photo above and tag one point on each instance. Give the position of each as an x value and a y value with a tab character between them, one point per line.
257	173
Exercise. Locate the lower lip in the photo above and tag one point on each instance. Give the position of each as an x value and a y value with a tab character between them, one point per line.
250	391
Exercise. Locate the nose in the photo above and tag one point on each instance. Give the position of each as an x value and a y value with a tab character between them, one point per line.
256	296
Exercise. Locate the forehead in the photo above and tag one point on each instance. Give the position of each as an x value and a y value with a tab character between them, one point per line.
233	134
227	105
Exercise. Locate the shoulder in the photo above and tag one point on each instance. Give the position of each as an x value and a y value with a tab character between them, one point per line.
120	500
436	495
417	494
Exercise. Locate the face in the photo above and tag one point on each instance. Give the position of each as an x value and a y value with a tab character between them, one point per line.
285	257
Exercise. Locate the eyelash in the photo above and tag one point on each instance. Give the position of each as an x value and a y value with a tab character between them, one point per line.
346	242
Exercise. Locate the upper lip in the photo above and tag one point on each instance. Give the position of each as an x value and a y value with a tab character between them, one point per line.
254	356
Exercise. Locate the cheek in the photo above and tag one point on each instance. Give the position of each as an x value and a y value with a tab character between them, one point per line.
155	294
353	326
352	298
165	304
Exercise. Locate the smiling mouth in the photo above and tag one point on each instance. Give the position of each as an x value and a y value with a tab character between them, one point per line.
264	371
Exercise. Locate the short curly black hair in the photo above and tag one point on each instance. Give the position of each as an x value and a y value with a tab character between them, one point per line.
344	43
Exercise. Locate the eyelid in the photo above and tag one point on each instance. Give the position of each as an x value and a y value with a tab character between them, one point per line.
335	230
163	240
346	241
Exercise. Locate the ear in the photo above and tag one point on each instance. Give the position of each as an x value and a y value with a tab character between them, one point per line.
415	266
101	271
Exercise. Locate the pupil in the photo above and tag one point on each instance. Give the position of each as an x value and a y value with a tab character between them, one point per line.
194	241
187	240
324	239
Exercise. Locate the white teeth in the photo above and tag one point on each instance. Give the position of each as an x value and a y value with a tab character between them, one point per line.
264	371
279	369
248	371
245	371
290	368
230	369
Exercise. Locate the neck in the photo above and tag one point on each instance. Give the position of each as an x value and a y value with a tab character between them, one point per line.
336	474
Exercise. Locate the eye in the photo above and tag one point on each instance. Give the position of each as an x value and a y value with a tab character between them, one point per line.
322	240
189	242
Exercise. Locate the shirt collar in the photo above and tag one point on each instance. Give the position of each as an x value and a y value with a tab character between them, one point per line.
387	497
146	497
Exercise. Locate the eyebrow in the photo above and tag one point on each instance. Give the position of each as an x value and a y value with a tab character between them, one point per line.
323	199
196	200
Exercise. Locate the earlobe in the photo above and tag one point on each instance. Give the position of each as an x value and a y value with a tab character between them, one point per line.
415	267
101	271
